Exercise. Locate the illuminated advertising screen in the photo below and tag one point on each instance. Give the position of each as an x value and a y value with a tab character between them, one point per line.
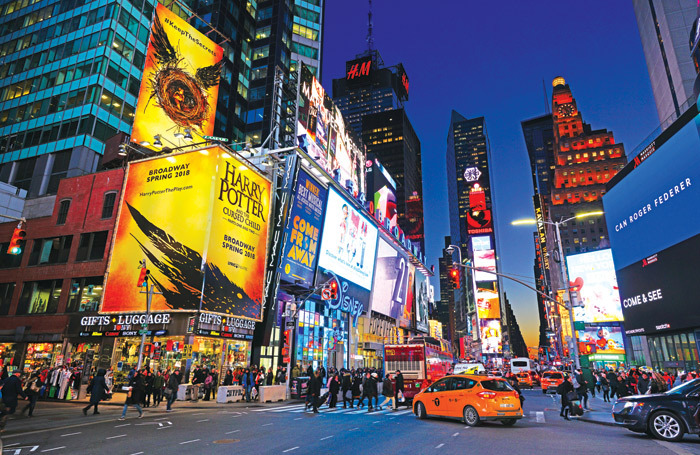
390	288
406	318
490	336
592	277
216	266
422	299
487	301
303	231
180	83
598	339
479	219
381	190
349	241
486	260
358	70
322	134
352	299
481	243
654	223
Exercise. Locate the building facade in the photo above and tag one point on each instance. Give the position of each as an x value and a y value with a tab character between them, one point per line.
664	28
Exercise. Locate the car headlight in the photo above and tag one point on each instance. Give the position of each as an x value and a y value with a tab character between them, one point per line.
632	405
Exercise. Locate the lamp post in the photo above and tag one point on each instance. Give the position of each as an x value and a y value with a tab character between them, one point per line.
564	273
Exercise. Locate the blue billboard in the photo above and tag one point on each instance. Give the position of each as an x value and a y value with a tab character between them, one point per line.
303	231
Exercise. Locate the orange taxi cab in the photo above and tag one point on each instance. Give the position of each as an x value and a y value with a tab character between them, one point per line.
472	398
550	380
524	379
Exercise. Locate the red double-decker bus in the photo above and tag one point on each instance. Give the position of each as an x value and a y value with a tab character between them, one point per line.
420	359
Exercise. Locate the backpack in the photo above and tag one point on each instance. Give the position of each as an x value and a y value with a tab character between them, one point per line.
208	381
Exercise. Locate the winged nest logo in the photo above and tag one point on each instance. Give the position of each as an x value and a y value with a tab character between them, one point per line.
181	96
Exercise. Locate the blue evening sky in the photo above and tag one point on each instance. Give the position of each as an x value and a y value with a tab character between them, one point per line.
489	59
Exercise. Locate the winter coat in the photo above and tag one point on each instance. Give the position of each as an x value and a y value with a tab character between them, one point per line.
247	380
228	379
563	389
158	382
295	372
346	382
356	383
314	386
334	386
388	388
270	377
174	382
399	382
11	389
138	390
28	386
643	385
99	389
369	387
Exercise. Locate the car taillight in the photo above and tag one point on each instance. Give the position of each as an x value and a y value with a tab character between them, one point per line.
488	395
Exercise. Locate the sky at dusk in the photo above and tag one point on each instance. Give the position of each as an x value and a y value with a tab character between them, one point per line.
489	59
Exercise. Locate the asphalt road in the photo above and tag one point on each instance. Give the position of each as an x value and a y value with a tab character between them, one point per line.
286	428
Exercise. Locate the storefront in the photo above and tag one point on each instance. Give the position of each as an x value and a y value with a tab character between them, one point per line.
374	332
674	352
610	362
8	351
322	336
40	355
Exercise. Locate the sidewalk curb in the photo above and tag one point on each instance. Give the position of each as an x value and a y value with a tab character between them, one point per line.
597	422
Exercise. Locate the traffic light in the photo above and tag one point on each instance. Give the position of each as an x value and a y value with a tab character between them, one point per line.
334	289
455	277
143	278
17	241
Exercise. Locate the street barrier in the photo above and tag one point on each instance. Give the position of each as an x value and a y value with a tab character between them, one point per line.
189	392
229	394
273	393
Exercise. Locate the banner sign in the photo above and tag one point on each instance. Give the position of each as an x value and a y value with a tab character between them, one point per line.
422	300
390	281
303	232
200	219
180	83
352	299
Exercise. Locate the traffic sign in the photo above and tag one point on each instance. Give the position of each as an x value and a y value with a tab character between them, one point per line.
216	138
326	294
143	332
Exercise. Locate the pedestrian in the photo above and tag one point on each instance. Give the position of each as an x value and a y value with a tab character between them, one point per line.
135	394
11	390
278	375
605	386
314	390
333	389
356	390
171	389
345	386
296	371
247	383
565	389
31	389
612	380
581	386
208	384
388	393
98	390
228	378
643	384
269	379
398	389
148	381
621	389
158	384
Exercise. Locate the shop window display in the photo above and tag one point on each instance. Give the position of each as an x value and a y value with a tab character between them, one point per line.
40	355
7	354
319	332
85	294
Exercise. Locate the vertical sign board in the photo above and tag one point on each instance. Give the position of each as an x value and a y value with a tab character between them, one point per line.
200	219
422	298
180	82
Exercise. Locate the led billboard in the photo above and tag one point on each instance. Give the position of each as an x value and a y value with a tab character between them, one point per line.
180	83
349	241
491	336
487	302
481	243
592	276
390	288
598	339
654	226
322	134
479	219
203	253
381	189
485	260
303	231
422	299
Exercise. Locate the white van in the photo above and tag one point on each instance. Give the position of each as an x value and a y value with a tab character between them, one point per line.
520	364
469	368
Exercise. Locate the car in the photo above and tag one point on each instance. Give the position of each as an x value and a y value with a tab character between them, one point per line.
524	379
469	368
550	381
472	398
666	416
535	377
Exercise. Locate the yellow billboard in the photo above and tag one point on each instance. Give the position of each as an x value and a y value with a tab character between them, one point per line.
180	83
200	219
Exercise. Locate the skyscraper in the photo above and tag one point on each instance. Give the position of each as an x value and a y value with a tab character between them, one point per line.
539	141
70	73
664	28
584	161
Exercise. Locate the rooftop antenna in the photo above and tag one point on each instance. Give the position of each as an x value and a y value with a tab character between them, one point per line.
546	101
370	38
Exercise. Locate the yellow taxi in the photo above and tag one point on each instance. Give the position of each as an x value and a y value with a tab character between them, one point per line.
524	379
473	398
550	380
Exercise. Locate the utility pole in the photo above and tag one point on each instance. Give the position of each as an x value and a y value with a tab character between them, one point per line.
144	327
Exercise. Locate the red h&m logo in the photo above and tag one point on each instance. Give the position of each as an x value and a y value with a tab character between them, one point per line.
359	69
404	82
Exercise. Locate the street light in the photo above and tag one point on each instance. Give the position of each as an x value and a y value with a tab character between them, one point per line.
564	272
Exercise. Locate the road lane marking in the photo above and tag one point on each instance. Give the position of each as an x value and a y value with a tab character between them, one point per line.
327	437
289	450
353	429
199	414
540	417
400	413
162	418
203	420
439	445
376	421
117	436
456	434
163	428
137	453
279	407
234	431
124	425
298	418
71	434
187	442
55	448
267	424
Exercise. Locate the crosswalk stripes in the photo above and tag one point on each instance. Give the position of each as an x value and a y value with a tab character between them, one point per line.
538	416
300	408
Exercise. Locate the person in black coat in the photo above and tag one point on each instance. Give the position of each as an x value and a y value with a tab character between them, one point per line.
346	385
135	395
228	379
98	391
333	390
564	389
173	385
314	390
398	387
11	391
32	388
356	390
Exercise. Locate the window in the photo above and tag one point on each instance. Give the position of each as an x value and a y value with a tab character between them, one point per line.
92	246
59	171
51	251
108	205
85	294
496	385
261	52
63	208
439	386
6	291
40	297
462	383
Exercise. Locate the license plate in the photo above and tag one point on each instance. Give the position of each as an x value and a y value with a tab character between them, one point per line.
506	405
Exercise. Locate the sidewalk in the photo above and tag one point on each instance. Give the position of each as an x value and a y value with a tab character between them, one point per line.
600	413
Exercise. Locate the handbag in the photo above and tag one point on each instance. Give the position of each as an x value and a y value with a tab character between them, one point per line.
572	396
167	393
33	387
400	396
